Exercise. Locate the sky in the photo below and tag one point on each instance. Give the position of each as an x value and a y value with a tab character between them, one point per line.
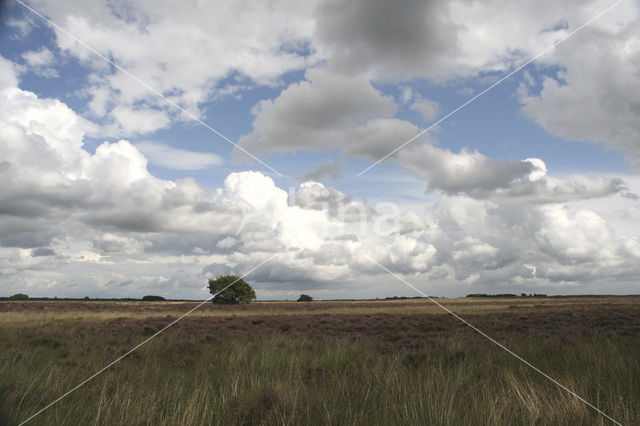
320	147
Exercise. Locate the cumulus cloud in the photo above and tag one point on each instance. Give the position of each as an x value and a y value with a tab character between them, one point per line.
101	223
312	113
315	196
123	231
372	42
468	172
475	175
328	111
177	159
593	97
187	52
439	39
522	245
579	236
369	41
105	209
120	229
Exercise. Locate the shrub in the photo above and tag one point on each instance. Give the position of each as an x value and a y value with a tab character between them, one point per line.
305	298
231	290
151	298
492	295
19	296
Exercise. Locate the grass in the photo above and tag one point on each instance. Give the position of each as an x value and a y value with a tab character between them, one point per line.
29	312
380	367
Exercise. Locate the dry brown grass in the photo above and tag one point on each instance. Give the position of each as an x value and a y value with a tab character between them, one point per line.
43	311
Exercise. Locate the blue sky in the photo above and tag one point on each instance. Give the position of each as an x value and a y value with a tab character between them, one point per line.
112	191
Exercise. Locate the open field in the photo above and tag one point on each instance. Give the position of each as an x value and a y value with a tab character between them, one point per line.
352	362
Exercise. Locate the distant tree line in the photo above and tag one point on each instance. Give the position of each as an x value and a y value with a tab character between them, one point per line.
23	297
505	295
403	297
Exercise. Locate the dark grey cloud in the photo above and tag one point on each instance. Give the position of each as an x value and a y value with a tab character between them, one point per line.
467	172
410	37
331	170
42	251
477	176
21	232
328	111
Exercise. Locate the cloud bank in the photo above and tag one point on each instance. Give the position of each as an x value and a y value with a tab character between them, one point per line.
76	222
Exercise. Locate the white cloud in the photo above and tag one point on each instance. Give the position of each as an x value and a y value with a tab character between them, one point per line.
102	224
226	243
337	205
136	120
38	58
177	159
576	236
41	61
427	108
8	77
181	50
594	97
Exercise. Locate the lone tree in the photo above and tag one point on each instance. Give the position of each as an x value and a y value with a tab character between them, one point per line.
305	298
231	290
19	296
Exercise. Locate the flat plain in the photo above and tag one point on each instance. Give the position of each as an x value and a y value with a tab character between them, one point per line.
389	362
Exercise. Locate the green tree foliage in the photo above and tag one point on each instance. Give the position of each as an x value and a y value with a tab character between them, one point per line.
151	298
19	296
231	290
305	298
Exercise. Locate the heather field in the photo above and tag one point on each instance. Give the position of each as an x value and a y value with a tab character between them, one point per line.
400	362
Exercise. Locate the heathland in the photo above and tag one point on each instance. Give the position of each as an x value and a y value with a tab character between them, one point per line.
400	362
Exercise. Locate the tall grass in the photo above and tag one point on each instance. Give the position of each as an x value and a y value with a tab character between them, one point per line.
181	379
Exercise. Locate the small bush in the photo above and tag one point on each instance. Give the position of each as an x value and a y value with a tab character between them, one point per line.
151	298
19	296
305	298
